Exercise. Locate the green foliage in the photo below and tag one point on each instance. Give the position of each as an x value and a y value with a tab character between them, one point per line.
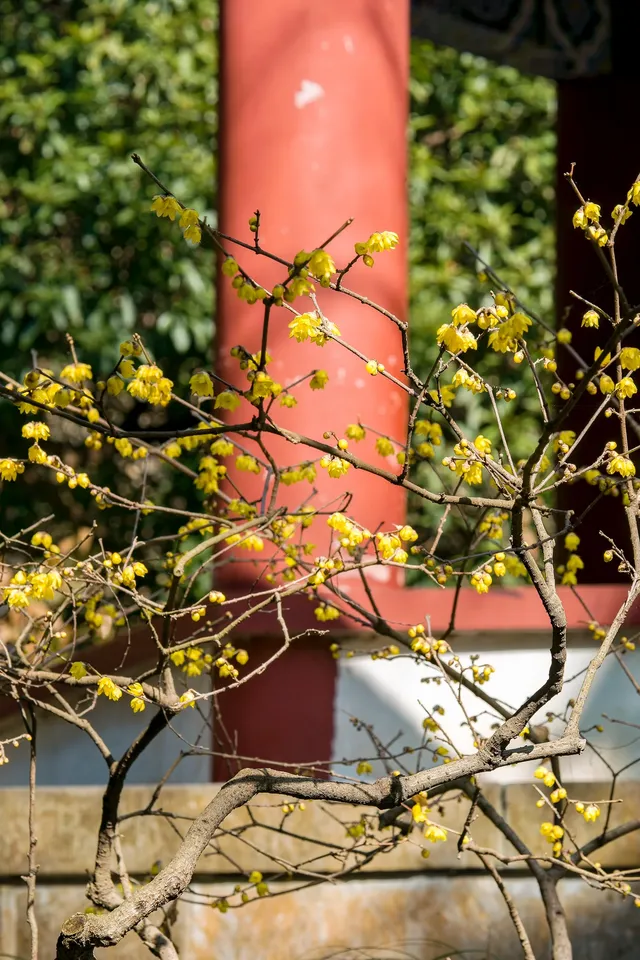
482	162
83	84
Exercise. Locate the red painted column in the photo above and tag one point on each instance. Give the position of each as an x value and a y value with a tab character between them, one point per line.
313	131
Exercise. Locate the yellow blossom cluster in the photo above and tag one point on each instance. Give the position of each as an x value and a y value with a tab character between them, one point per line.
27	586
350	533
553	833
468	459
587	218
304	471
168	206
150	385
377	243
326	612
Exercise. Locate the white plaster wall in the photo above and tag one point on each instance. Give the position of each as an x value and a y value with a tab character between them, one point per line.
388	694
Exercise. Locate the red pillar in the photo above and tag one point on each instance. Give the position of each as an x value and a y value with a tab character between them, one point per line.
313	130
597	132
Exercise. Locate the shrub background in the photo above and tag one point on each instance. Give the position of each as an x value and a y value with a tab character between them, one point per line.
85	83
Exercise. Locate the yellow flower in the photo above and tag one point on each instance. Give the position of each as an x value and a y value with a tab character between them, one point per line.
407	534
386	240
36	454
591	813
551	831
619	211
575	563
247	463
216	596
319	380
634	193
621	465
201	384
433	431
193	233
364	767
229	267
150	385
107	687
189	218
606	384
384	446
425	450
419	813
35	430
221	447
78	670
298	287
188	699
463	314
571	542
9	469
130	571
335	466
470	382
166	207
565	439
115	386
598	233
434	833
137	704
17	597
591	319
326	612
625	387
371	366
592	211
305	326
481	582
173	449
563	335
559	794
390	547
630	358
126	368
579	219
262	386
456	339
77	372
321	265
227	401
482	445
129	348
252	542
42	539
447	392
355	432
123	446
